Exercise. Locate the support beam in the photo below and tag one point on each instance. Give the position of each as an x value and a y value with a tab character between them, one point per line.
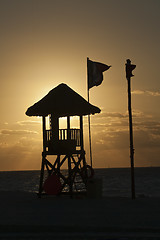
69	158
44	133
68	128
55	127
41	176
81	133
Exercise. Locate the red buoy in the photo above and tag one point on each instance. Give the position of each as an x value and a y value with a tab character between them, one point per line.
52	185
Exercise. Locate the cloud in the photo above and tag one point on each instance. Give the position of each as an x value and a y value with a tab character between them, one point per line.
28	123
23	154
113	133
137	113
153	127
21	146
138	92
115	121
148	93
111	146
16	132
112	115
155	94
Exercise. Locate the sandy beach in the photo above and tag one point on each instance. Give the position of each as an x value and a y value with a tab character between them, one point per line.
25	216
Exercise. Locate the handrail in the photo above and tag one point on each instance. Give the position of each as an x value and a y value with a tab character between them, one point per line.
65	134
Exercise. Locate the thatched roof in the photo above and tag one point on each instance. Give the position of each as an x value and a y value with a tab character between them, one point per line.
62	101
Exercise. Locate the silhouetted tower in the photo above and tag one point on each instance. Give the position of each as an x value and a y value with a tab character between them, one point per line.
67	145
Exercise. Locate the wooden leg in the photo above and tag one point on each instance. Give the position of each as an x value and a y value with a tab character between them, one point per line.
69	176
58	164
41	176
84	165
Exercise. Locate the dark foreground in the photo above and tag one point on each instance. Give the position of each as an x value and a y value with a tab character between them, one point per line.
25	216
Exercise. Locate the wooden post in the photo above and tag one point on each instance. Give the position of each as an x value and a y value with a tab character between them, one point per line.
55	127
58	163
89	120
69	158
68	128
129	68
43	155
41	176
44	133
81	133
82	147
82	141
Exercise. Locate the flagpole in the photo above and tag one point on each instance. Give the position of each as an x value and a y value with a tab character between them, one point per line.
89	120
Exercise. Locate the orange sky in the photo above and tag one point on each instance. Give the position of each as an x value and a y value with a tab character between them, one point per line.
45	43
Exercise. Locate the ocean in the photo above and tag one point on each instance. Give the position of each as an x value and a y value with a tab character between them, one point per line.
116	181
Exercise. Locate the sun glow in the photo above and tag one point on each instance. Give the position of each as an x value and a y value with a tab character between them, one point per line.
47	43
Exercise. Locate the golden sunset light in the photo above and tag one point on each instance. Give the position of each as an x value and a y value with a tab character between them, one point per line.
80	119
46	43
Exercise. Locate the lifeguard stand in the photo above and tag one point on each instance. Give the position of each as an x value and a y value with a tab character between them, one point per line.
66	144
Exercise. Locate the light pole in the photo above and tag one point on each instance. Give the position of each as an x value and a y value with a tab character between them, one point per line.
129	68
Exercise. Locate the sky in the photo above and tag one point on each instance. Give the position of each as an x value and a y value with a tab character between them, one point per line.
45	43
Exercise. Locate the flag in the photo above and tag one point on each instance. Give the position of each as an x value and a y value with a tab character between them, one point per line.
95	73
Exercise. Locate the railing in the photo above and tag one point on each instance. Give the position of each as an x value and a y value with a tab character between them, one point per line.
48	135
65	134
